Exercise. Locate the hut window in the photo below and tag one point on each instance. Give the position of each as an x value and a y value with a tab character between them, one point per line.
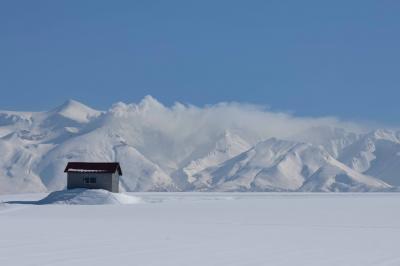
89	180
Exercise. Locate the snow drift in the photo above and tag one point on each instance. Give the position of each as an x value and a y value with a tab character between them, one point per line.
87	197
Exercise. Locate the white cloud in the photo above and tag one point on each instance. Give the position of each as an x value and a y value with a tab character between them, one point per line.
161	132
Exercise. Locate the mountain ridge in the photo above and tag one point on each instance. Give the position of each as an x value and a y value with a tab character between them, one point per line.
186	148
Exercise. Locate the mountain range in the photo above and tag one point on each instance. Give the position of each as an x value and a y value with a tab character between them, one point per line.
187	148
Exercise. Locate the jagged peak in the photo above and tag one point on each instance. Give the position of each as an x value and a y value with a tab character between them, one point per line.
149	102
228	139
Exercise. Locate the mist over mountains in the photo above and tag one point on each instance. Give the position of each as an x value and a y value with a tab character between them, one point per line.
223	147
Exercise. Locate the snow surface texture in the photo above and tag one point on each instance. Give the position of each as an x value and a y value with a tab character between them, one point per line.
249	229
81	196
224	147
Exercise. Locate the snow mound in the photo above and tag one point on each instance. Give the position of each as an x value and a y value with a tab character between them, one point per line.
83	196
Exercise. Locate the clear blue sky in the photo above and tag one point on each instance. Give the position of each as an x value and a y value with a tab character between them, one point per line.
315	58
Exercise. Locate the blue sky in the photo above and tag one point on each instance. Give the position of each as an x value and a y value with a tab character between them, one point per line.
313	58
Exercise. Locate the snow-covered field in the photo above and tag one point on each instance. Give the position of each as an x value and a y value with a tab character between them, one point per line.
205	229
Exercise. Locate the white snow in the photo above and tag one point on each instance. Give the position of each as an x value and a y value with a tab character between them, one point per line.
85	170
87	197
205	229
81	196
76	111
277	165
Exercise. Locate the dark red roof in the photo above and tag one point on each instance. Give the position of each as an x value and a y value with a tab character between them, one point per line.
95	167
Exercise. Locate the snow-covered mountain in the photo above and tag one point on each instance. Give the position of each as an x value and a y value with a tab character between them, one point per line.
277	165
184	148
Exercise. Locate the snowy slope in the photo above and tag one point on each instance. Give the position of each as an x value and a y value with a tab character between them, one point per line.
75	111
337	177
16	173
184	148
376	154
